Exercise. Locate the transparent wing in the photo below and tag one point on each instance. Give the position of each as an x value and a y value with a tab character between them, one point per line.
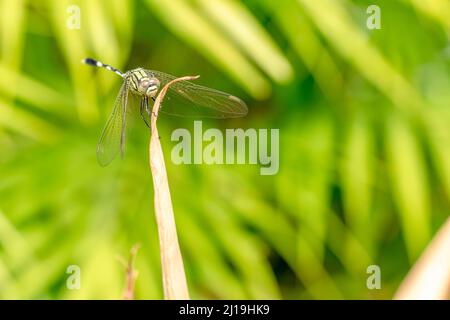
188	99
113	135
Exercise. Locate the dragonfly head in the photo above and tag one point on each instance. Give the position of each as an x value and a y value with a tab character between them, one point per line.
148	86
144	83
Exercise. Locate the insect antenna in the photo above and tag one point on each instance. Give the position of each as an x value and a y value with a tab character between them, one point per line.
96	63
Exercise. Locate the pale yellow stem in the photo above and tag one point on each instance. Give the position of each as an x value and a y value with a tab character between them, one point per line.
174	278
430	276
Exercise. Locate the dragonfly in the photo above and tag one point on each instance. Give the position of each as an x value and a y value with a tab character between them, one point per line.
193	100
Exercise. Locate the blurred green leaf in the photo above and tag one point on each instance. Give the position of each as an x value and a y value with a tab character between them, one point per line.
409	185
184	21
251	36
358	170
26	123
12	32
338	28
438	10
73	49
307	44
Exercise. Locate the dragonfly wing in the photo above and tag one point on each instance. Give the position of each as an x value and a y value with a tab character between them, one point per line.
188	99
112	139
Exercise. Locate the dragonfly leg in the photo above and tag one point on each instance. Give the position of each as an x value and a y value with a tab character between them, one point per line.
144	106
147	108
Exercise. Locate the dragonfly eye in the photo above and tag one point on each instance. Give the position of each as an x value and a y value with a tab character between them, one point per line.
152	87
148	85
144	84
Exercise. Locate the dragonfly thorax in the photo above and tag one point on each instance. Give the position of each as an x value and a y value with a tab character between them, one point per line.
143	83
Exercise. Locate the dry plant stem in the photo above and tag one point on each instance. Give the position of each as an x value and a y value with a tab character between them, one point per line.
174	278
130	273
430	276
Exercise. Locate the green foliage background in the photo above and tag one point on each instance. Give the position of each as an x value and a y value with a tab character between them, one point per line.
364	133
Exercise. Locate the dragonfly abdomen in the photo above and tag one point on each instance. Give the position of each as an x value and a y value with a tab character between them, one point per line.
96	63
